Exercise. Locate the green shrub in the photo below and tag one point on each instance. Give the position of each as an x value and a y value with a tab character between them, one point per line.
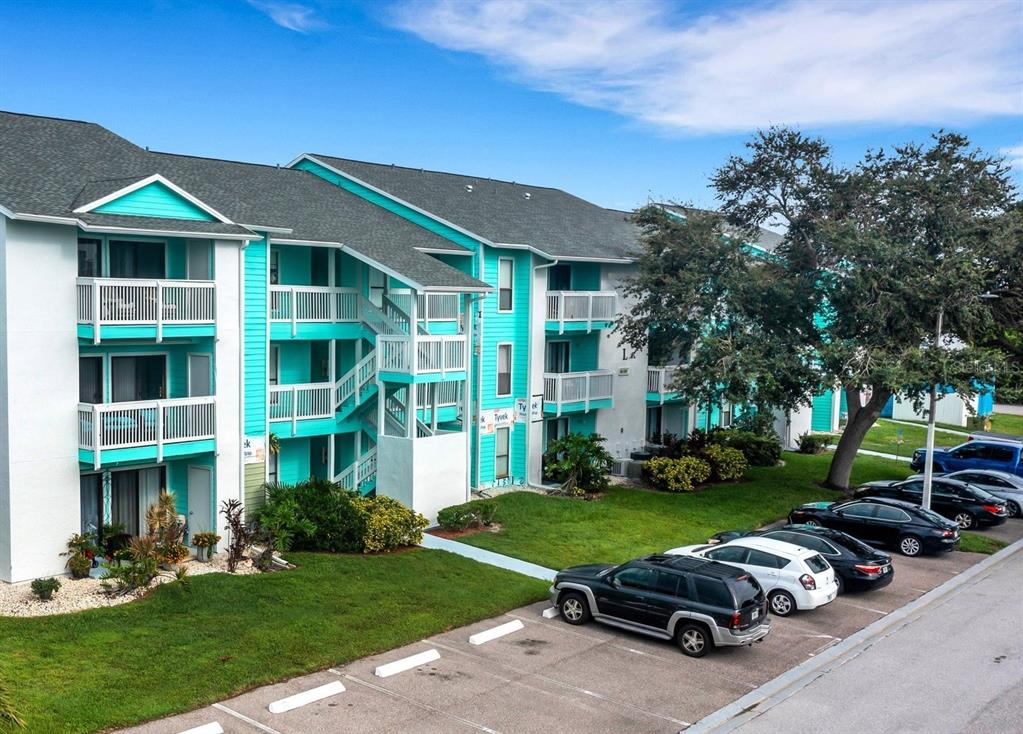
45	588
390	524
757	422
815	443
759	450
282	519
676	475
477	513
579	459
726	464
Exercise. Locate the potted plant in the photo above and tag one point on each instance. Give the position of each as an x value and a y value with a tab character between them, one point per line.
44	588
81	553
204	544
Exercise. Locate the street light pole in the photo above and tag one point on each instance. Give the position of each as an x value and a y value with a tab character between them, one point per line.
929	461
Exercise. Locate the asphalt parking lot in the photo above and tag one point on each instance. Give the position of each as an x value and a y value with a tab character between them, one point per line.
549	676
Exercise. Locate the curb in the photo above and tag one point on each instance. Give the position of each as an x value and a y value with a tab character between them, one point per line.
730	717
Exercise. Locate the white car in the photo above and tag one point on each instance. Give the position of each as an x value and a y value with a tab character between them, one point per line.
792	576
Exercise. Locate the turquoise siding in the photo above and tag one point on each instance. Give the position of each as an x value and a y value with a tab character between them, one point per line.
293	464
255	338
155	200
295	362
390	205
498	328
820	416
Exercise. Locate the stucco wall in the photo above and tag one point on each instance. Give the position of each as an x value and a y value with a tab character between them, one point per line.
39	474
426	474
227	366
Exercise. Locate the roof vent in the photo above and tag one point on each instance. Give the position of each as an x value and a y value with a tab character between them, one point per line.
527	196
468	187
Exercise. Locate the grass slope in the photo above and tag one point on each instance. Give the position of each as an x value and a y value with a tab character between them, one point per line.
179	649
1003	423
627	523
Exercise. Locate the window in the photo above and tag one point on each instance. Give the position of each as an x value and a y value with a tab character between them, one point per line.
713	592
726	415
504	370
766	560
501	441
1000	453
969	451
272	472
672	584
858	509
91	493
559	356
637	578
728	554
505	278
817	564
90	380
653	424
275	267
806	541
891	514
88	258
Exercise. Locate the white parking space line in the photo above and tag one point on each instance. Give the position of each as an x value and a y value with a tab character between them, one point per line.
400	666
424	706
212	728
306	697
563	684
859	606
495	632
246	719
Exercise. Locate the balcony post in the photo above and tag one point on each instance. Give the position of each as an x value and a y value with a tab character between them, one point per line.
96	438
294	410
589	313
159	311
561	320
588	375
413	329
294	310
95	312
159	430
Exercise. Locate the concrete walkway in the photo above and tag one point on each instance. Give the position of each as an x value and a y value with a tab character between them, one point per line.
489	557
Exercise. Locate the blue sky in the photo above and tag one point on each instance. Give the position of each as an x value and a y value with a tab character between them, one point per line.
616	102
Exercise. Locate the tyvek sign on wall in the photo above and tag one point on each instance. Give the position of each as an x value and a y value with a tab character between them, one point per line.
491	420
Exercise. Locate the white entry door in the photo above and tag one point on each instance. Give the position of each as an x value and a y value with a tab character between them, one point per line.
200	487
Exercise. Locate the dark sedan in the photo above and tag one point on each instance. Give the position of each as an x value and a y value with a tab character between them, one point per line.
970	507
858	567
902	525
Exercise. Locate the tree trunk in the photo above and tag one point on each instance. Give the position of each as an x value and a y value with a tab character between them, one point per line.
860	421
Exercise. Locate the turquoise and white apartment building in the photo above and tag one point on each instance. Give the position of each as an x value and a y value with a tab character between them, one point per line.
413	333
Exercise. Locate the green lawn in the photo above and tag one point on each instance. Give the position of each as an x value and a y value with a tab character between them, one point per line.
179	649
977	543
883	436
627	523
1002	423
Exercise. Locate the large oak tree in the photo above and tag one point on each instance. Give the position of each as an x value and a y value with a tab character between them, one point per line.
850	297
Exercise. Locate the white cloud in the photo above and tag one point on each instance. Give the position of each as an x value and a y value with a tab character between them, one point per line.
797	62
294	17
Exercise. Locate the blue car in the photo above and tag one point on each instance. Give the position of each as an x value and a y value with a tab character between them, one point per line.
996	455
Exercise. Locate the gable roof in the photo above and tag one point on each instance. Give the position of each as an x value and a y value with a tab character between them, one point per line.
119	192
50	167
546	220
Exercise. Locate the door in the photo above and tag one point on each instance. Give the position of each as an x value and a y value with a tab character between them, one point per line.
200	375
199	260
90	380
151	483
663	601
967	456
559	278
200	492
857	519
765	568
142	377
132	259
558	357
624	596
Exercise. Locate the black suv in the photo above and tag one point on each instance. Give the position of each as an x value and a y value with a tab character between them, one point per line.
911	529
969	506
694	601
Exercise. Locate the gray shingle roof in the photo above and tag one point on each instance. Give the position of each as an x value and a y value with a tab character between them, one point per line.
766	239
548	220
51	166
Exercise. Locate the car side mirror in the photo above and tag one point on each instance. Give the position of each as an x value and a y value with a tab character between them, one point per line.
615	582
840	513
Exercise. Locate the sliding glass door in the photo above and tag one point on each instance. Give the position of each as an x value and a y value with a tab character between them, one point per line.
132	259
139	377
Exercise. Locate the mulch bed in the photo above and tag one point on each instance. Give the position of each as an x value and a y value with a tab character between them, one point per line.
455	534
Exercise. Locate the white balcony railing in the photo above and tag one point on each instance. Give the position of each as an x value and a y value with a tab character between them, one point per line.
447	394
429	306
361	471
297	304
142	302
144	423
581	307
431	354
660	379
560	388
300	402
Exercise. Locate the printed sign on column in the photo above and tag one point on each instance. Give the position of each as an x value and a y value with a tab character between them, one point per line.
521	410
536	409
253	450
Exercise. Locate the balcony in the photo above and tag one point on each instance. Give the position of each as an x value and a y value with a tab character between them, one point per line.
577	392
294	403
580	310
430	307
658	384
130	308
434	358
147	429
296	306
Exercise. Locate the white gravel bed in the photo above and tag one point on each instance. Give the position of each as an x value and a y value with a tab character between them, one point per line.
74	595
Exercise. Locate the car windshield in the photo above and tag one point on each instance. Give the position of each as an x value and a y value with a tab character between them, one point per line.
817	564
850	543
932	516
745	589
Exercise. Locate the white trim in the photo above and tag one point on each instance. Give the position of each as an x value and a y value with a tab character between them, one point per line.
441	251
75	222
511	285
6	212
497	369
142	183
508	455
267	228
556	258
312	243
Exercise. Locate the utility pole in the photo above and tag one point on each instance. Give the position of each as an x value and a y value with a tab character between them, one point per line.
929	461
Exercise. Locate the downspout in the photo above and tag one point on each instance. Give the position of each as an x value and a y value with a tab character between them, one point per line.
529	361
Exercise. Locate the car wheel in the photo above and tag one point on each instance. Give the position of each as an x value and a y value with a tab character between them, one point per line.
910	545
812	523
694	640
573	608
782	603
841	584
1013	509
965	520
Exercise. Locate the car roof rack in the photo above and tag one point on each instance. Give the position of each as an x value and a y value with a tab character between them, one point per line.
705	566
